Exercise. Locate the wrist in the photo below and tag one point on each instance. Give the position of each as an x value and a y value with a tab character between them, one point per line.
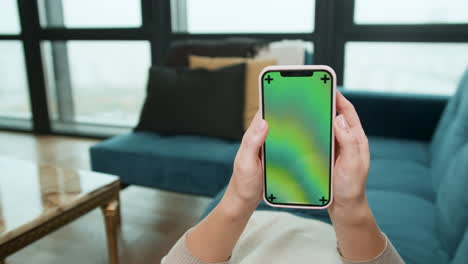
354	213
358	235
236	208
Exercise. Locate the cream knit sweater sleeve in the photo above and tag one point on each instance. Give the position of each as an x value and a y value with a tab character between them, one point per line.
388	256
304	241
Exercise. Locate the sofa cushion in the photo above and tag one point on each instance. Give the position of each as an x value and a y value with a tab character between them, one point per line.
447	116
200	102
452	202
398	149
254	68
401	176
409	222
189	164
177	56
451	133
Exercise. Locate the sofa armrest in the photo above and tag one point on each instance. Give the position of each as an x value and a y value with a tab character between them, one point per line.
409	116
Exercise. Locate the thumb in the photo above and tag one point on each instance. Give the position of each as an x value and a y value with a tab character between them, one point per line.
254	137
348	144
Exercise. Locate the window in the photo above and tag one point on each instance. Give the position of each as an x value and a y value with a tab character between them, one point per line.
90	13
9	20
410	12
428	68
14	86
106	80
243	16
96	54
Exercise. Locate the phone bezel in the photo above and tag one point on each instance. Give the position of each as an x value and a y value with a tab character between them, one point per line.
332	145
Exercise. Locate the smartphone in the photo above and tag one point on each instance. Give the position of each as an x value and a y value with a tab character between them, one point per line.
298	103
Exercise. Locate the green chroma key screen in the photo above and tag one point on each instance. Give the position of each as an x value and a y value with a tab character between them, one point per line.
297	150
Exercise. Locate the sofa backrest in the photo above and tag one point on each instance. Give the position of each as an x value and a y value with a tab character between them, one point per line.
451	132
452	202
179	51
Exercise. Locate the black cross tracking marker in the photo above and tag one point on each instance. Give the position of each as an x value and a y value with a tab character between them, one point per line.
325	78
269	79
323	200
271	198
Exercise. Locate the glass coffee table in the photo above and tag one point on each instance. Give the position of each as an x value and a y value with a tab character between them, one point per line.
36	200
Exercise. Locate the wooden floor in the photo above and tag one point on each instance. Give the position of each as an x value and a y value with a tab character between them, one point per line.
152	220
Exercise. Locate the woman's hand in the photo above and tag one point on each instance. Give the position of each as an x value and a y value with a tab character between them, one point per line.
246	185
352	160
214	238
359	237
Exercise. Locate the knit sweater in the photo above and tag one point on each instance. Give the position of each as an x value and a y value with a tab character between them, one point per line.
278	237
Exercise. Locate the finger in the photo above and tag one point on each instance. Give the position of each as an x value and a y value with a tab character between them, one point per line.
337	149
347	143
347	109
254	137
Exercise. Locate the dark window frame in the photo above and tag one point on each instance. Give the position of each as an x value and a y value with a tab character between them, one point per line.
334	27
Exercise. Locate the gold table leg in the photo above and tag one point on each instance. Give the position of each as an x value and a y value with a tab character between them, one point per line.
119	216
111	213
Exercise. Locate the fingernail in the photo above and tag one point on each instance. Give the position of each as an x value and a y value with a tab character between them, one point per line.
261	124
341	121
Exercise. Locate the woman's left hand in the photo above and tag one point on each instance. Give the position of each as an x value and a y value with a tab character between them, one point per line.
246	185
214	238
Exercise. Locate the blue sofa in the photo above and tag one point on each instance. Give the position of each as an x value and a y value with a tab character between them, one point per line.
188	164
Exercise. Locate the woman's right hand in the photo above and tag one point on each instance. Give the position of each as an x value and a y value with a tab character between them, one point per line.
359	237
352	161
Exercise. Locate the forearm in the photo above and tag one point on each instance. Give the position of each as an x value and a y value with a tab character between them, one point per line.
214	238
359	237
